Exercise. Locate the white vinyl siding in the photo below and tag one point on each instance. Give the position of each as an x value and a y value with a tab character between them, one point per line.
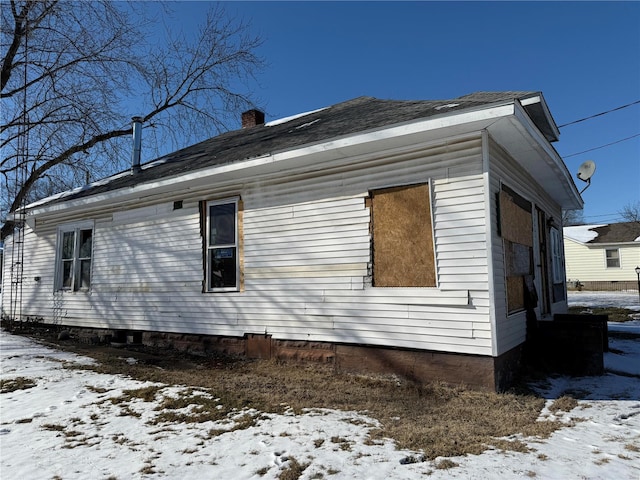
307	260
511	329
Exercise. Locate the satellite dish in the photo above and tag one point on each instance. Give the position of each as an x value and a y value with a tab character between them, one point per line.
585	172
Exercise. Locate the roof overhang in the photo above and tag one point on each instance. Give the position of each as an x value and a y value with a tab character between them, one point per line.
508	123
517	134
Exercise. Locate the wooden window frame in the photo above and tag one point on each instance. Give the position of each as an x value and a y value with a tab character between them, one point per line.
209	248
75	260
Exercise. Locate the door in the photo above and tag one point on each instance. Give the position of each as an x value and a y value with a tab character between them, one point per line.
543	263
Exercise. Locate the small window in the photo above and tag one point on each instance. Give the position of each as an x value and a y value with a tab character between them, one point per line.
613	257
222	267
402	237
75	246
556	257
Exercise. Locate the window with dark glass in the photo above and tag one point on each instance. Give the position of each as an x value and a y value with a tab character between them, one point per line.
613	257
222	246
74	258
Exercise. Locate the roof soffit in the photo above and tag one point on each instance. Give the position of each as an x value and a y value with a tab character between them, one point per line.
528	146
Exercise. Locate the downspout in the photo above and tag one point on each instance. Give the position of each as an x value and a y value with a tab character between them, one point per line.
137	144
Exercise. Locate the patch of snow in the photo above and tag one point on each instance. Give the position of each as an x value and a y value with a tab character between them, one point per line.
581	233
73	191
623	355
273	123
155	163
305	125
448	105
590	299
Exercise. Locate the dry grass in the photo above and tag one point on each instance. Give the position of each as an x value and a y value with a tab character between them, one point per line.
436	419
293	470
565	403
616	314
18	383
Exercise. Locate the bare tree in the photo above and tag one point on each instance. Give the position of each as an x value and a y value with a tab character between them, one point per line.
572	217
72	72
630	212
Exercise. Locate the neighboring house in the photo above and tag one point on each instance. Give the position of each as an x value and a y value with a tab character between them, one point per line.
405	236
603	257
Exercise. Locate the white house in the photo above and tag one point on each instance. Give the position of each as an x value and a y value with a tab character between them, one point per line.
602	257
406	236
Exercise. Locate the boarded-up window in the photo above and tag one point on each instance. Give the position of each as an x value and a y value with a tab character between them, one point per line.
402	237
516	228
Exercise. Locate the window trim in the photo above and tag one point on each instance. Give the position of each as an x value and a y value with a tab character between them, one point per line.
76	228
208	248
606	258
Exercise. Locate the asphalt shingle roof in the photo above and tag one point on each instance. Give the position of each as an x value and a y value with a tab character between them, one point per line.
347	118
624	232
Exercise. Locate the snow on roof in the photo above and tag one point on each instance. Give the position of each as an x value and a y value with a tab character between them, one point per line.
73	191
273	123
581	233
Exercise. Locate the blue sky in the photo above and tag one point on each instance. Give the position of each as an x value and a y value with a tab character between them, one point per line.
583	56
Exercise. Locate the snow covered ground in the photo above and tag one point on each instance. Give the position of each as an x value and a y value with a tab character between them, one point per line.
630	300
76	424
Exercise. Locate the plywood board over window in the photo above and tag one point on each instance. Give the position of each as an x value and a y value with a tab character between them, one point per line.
402	237
516	223
516	228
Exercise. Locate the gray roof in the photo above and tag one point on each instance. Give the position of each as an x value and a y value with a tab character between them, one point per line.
350	117
624	232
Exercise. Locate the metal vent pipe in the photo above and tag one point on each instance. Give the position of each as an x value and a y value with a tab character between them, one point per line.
137	144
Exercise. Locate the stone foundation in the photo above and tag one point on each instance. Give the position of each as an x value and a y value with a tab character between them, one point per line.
475	371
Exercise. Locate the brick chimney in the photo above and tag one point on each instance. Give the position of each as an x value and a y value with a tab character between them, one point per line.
251	118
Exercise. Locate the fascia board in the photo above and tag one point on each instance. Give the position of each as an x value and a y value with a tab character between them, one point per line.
554	159
545	108
400	130
333	149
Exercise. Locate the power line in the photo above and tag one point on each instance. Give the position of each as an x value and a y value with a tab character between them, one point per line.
599	114
602	146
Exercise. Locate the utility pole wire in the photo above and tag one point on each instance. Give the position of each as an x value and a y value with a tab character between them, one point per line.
599	114
602	146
